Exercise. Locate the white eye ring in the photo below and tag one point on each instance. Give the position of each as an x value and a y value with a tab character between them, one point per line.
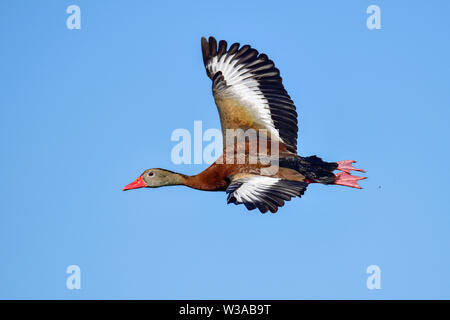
150	173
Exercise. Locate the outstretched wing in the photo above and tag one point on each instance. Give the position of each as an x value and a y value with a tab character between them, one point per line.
264	193
249	92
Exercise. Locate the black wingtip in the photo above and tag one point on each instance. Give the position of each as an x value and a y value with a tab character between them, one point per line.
212	46
205	50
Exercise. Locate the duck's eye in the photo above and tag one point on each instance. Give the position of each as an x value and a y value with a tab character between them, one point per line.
151	174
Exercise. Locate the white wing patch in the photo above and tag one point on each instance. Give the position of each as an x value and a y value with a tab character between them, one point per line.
245	89
264	193
253	188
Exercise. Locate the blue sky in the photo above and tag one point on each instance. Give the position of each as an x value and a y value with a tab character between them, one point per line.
84	112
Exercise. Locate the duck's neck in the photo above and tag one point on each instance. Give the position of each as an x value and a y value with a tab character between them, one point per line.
196	182
175	179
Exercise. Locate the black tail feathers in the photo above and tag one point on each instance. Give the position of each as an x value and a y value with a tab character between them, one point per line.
313	168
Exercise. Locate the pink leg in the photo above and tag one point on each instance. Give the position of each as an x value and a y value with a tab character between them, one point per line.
346	166
346	179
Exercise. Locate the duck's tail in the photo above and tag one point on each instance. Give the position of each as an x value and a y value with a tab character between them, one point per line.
318	171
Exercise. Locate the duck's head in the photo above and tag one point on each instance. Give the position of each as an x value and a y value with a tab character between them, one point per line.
154	178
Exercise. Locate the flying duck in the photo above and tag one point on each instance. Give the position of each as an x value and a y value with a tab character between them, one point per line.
250	97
